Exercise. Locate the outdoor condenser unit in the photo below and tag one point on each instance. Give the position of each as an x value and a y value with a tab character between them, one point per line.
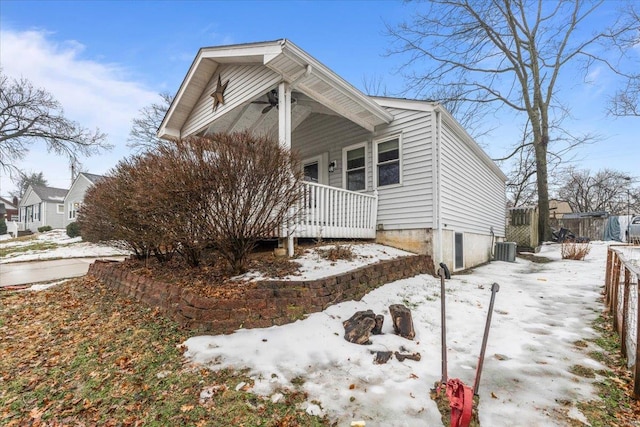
505	251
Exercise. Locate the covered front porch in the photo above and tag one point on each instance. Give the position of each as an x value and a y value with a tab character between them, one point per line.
278	90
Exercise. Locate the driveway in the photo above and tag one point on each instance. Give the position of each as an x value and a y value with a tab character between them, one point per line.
23	273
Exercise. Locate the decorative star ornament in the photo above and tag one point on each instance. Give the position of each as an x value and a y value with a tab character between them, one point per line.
218	94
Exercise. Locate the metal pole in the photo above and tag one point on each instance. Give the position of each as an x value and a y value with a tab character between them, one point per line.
494	289
443	325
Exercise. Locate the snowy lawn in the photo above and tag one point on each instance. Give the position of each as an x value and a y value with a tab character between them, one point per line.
63	247
540	331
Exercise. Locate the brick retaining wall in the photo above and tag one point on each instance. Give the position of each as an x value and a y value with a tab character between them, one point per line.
257	304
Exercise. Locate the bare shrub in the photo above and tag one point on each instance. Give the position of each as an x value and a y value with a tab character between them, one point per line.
251	184
118	209
577	251
225	192
337	252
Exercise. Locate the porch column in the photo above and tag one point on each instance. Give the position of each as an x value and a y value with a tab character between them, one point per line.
284	114
284	136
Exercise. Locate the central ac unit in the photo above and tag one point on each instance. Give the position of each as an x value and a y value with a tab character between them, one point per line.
505	251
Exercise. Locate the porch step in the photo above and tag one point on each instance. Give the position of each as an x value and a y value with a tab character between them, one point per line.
25	233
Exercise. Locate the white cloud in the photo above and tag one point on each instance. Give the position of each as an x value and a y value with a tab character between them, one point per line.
93	93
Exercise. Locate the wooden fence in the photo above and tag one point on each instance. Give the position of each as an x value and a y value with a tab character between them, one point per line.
621	299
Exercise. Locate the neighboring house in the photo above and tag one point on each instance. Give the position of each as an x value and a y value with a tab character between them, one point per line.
41	206
559	208
11	209
401	171
75	196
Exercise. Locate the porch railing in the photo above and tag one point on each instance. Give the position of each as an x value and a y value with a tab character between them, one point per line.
330	212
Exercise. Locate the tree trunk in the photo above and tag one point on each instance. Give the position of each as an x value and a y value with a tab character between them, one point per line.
544	230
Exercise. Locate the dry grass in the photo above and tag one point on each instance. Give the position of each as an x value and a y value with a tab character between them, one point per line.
576	251
79	354
337	252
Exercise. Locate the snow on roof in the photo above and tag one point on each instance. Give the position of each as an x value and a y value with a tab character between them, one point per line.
92	177
49	194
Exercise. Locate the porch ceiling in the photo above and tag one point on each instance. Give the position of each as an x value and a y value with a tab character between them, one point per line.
315	89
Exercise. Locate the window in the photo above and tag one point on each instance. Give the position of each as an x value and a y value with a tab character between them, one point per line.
459	251
311	172
36	212
73	209
388	162
355	173
60	208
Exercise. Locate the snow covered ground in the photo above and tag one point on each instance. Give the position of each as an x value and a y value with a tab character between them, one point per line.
69	248
540	313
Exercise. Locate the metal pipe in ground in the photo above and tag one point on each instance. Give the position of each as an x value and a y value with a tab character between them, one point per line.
494	289
442	272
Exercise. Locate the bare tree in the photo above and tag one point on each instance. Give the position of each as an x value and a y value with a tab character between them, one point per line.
143	134
24	180
509	52
606	190
29	115
626	102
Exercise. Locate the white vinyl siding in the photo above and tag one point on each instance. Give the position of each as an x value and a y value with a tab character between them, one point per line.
323	134
245	82
409	204
75	197
473	197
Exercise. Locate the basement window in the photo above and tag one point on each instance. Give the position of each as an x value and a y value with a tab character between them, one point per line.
459	250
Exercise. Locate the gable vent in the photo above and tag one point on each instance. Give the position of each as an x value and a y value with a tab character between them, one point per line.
505	251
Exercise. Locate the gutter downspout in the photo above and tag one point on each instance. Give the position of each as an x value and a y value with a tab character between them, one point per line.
437	187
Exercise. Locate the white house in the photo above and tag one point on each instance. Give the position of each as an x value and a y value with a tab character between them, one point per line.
41	206
75	196
401	171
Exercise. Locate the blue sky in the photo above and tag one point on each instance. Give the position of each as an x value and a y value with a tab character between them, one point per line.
104	60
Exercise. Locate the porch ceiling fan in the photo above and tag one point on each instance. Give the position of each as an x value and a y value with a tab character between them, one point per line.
272	101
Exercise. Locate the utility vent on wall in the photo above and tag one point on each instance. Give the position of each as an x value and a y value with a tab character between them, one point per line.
505	251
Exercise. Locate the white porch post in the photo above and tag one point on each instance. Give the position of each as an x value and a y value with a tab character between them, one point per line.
284	136
284	114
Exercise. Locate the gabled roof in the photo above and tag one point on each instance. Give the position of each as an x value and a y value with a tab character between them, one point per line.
91	177
49	194
8	203
294	65
429	106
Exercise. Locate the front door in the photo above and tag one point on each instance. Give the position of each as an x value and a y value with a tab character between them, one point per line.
311	172
315	169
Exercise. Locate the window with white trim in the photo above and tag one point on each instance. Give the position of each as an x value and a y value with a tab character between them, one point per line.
73	209
60	208
388	162
354	159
